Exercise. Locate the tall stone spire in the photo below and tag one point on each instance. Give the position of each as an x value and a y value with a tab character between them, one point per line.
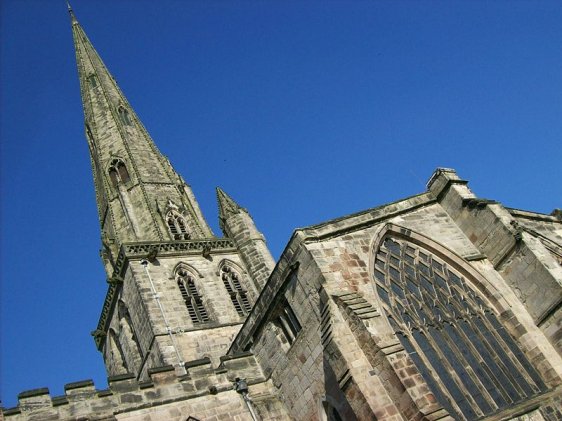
139	195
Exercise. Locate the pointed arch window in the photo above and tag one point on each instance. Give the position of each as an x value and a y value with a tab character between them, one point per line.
116	352
470	362
129	338
177	226
238	295
124	116
118	172
193	300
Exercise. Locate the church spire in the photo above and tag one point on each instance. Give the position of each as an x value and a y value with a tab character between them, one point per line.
139	195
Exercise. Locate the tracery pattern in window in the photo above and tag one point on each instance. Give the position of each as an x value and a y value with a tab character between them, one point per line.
177	226
193	300
238	295
118	172
458	344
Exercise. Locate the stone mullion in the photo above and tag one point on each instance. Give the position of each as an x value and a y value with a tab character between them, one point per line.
498	360
456	377
514	360
477	382
455	349
489	348
495	380
414	342
432	370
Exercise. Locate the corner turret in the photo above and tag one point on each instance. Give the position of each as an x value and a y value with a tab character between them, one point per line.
237	224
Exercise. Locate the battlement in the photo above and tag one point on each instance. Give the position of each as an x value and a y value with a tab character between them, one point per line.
126	394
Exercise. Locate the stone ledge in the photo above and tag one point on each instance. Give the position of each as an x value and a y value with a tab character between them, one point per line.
33	392
197	363
162	369
78	385
119	377
235	356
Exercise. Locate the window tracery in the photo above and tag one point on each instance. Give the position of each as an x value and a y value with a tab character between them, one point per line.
193	300
118	173
469	361
177	226
238	295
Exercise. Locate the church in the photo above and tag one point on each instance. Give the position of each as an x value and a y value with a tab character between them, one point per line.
439	306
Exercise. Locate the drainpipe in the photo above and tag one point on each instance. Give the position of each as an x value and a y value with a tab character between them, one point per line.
144	262
241	387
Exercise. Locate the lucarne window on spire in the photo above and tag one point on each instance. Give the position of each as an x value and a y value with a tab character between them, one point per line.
177	226
92	80
124	115
118	172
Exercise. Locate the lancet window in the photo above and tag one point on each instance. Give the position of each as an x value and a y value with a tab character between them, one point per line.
238	295
468	359
177	226
116	353
129	341
118	172
288	322
193	300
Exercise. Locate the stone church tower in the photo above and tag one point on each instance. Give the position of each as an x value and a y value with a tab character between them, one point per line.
176	292
440	306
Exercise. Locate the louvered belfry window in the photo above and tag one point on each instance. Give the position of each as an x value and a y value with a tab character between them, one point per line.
238	295
193	300
470	362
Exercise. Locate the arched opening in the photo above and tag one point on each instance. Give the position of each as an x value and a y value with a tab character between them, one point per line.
118	173
238	294
468	359
193	300
177	226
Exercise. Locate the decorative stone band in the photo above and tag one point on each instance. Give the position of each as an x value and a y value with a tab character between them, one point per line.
131	251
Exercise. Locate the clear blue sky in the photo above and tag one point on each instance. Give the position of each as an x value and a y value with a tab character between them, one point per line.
302	111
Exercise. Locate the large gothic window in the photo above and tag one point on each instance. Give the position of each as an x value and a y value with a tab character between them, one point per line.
177	226
238	295
470	362
193	300
118	172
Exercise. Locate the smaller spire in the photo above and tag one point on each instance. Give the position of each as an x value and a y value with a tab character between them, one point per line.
227	206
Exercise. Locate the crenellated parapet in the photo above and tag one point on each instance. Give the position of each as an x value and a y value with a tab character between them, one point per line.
166	388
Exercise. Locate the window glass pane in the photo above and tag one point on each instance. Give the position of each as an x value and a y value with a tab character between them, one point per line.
444	375
426	374
475	364
383	294
516	351
459	368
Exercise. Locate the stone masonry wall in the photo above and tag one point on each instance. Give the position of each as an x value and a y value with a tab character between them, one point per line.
206	392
